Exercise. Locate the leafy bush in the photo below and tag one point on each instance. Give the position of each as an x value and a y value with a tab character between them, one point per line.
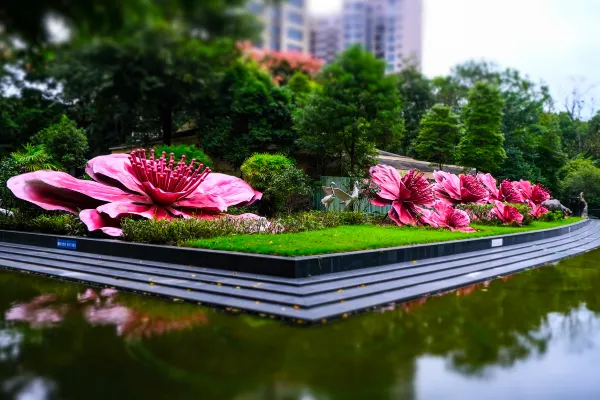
191	152
65	143
482	213
181	230
552	216
260	169
34	158
57	224
284	187
580	175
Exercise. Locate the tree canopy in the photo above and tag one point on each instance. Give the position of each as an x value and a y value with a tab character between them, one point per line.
482	146
357	110
440	133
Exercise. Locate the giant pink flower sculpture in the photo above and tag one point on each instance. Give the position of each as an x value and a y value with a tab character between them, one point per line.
132	185
537	194
507	214
406	194
445	216
454	189
509	192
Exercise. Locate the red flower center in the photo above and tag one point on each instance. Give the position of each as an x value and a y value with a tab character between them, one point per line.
162	180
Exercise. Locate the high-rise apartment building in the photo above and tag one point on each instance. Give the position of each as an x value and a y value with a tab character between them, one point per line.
325	37
390	29
285	25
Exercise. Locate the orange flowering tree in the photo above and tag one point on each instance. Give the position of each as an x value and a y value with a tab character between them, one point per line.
282	64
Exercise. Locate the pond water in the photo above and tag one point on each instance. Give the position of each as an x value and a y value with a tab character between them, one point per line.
533	336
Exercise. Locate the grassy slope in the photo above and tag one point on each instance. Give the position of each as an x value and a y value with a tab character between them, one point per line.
350	238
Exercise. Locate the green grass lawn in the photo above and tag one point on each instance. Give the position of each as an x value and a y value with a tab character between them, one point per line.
359	237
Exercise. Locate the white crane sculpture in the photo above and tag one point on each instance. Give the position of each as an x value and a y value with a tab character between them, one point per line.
329	191
347	199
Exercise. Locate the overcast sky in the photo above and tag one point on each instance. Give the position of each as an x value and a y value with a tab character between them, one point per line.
557	41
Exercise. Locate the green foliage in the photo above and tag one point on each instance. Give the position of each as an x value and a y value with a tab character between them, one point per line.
481	147
65	143
8	169
580	175
417	97
34	158
283	185
250	113
179	231
299	84
357	109
191	152
260	169
23	116
57	224
440	133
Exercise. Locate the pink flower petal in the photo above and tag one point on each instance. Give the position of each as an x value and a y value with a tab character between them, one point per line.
203	201
489	182
234	191
114	170
120	210
60	191
388	180
96	221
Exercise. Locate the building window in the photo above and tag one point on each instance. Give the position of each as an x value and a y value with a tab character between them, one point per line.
391	57
297	3
389	68
275	31
295	34
293	47
296	18
256	8
275	45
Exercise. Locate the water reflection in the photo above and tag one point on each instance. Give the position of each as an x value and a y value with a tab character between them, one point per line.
484	341
100	308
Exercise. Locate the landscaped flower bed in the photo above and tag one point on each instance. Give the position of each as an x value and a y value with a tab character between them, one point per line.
156	200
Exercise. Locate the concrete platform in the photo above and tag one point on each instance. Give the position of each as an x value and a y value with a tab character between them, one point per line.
309	299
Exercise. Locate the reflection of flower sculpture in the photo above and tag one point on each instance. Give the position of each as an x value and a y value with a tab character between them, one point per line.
507	214
406	194
133	324
100	309
132	185
454	189
445	216
39	312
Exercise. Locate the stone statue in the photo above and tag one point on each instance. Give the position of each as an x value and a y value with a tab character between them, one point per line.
329	191
347	199
584	213
554	205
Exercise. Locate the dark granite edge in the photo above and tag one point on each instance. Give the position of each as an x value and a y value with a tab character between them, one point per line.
288	267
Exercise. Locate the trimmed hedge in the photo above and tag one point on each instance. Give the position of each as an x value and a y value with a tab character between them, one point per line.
56	224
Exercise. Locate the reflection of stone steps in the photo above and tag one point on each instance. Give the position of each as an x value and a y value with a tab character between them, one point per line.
303	299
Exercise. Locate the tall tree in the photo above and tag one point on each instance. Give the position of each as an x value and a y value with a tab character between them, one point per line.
250	113
440	133
417	97
66	143
357	109
482	146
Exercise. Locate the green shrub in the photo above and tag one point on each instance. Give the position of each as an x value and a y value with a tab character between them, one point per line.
285	188
190	152
552	216
178	231
56	224
260	169
66	143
